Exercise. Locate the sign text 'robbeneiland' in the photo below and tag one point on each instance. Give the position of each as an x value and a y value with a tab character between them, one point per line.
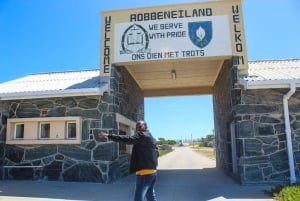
183	31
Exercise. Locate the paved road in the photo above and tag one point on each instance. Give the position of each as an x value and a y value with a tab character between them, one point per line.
184	158
183	176
194	177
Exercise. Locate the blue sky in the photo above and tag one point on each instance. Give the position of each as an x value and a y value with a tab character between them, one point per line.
56	35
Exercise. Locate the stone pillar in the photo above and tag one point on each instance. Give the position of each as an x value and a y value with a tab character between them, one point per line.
127	96
222	104
3	119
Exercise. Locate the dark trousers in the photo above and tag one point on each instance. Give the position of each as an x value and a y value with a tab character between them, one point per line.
144	187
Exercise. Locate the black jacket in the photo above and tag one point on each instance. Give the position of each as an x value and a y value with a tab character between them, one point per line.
144	152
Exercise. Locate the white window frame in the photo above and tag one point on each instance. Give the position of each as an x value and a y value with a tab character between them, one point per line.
44	131
32	130
16	129
128	126
67	129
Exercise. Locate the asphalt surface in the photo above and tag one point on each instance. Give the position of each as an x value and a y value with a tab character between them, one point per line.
183	175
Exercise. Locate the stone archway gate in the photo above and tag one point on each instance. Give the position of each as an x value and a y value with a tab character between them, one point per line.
172	50
51	131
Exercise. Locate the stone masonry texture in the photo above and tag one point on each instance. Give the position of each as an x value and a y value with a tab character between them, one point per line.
257	116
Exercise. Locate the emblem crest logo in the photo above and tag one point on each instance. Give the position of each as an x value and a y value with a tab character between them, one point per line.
135	39
200	33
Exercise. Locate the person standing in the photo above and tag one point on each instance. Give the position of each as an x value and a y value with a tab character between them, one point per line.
143	160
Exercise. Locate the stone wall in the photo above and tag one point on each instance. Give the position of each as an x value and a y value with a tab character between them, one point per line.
3	119
257	115
93	160
127	96
222	105
261	137
261	149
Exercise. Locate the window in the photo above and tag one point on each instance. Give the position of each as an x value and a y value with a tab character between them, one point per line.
44	130
19	131
125	127
71	129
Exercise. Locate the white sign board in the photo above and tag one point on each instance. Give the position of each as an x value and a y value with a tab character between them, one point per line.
172	39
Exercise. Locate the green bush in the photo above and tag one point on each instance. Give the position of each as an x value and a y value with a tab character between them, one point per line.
164	141
286	193
206	144
201	144
210	144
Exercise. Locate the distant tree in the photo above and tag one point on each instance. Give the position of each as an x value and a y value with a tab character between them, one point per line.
210	137
171	142
165	141
161	139
208	140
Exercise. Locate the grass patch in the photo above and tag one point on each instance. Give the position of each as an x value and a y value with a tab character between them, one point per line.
206	151
164	152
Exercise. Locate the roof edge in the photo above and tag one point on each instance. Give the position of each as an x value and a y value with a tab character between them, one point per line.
273	60
266	84
54	93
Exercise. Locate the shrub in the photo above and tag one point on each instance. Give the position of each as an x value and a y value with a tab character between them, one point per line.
210	144
206	144
201	144
288	193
